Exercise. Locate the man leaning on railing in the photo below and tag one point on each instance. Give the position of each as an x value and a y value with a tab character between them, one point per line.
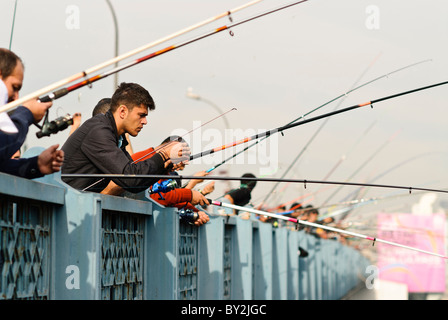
14	131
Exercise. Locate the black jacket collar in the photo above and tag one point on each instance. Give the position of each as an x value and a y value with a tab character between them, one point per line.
111	118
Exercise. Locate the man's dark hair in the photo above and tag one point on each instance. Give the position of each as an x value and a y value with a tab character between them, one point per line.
102	106
249	184
8	61
131	95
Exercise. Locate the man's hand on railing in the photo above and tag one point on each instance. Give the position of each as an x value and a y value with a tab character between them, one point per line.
202	219
50	160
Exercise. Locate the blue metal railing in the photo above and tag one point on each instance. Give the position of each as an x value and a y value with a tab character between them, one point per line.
60	243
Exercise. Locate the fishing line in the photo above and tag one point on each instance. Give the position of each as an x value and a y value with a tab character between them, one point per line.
13	21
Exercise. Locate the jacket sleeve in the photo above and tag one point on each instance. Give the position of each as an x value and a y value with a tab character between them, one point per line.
25	168
173	197
10	143
100	147
143	155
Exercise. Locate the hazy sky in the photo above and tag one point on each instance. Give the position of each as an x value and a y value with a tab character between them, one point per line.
272	70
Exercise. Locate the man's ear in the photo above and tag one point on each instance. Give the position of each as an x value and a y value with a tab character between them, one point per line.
122	111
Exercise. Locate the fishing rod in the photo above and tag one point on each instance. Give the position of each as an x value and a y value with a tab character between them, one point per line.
13	22
352	204
117	59
341	159
345	155
312	194
302	151
400	164
203	124
323	124
394	167
369	159
271	192
293	125
246	179
316	225
88	82
319	107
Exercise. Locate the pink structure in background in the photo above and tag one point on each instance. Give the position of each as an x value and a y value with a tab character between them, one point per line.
419	271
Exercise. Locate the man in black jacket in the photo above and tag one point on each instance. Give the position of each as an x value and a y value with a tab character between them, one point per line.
98	146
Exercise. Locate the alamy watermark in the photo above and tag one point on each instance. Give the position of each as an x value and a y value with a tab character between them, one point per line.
72	22
373	17
73	280
264	154
371	280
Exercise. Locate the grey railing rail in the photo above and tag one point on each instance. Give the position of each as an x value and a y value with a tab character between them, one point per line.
60	243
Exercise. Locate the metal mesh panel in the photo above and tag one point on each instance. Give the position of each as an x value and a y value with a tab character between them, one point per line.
24	248
227	268
122	256
188	268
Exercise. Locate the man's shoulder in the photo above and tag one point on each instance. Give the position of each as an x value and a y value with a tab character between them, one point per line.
92	129
96	125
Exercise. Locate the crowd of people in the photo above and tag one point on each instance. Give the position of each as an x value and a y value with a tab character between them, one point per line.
101	145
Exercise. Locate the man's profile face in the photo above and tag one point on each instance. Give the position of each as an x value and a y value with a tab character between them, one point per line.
14	82
135	120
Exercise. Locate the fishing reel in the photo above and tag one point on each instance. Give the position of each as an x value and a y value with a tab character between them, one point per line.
188	215
164	186
52	127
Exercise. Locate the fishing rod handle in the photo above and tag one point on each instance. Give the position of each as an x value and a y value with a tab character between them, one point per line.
54	95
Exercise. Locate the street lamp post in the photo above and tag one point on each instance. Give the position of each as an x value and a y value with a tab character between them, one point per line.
116	40
195	96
